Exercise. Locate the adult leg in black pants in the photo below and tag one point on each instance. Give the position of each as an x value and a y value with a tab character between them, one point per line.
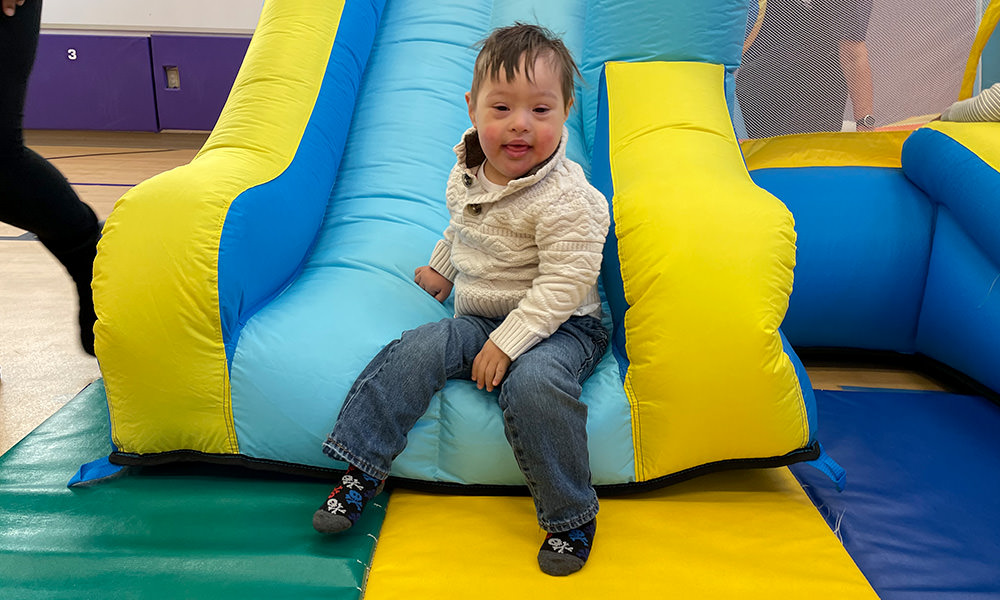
34	195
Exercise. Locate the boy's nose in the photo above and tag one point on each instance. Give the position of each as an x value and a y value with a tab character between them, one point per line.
519	121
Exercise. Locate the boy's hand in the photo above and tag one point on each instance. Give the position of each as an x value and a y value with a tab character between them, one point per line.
9	6
490	366
432	282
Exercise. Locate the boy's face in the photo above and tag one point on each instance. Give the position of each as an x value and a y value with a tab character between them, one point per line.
519	122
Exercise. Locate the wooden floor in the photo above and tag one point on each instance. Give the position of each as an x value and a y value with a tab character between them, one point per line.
41	363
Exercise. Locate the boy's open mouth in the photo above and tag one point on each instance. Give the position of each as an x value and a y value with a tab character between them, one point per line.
516	150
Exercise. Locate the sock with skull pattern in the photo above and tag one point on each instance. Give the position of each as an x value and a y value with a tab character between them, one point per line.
343	507
567	551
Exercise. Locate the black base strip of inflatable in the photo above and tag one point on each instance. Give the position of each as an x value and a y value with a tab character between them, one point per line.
202	463
810	452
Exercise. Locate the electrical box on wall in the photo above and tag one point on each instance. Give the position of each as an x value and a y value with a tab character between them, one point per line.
193	76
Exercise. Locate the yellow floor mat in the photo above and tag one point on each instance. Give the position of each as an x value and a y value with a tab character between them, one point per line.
739	534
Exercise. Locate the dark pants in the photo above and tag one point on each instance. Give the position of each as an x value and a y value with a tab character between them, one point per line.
34	195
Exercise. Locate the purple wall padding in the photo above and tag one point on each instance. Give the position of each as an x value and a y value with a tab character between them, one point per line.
206	67
91	82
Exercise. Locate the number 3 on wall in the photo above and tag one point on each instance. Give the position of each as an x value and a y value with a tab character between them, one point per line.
71	53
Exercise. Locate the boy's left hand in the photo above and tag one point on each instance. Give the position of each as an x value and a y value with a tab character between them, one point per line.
490	366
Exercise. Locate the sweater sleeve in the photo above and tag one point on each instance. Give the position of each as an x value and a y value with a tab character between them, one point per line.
570	234
440	259
985	106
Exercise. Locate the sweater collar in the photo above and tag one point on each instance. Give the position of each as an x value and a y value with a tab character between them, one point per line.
471	156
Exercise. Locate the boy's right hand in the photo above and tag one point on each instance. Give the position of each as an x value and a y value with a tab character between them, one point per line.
432	282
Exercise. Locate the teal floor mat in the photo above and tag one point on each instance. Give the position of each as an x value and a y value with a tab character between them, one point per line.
177	532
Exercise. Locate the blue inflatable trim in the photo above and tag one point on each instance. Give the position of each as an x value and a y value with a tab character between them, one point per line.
829	467
270	229
100	470
611	268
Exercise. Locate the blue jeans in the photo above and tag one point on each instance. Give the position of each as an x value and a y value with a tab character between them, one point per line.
544	419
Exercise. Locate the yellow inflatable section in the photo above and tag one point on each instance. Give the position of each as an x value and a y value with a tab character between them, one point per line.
706	263
175	360
870	149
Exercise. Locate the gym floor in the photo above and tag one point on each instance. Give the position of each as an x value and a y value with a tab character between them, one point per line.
41	364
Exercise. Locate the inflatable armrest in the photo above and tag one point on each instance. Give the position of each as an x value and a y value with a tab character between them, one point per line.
188	256
698	271
958	166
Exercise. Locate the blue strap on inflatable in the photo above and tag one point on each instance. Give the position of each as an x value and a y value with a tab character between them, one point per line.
830	468
96	471
100	470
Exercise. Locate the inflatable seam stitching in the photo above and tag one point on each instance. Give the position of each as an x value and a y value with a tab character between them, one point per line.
623	266
640	473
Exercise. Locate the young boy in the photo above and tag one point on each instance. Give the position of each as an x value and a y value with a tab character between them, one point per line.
523	251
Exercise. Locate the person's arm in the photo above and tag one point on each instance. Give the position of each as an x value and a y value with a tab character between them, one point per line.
983	107
9	6
752	35
438	276
858	73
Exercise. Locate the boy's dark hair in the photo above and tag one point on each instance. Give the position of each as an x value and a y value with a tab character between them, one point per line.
505	46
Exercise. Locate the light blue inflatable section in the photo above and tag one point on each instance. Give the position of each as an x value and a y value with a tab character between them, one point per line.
652	30
298	356
356	292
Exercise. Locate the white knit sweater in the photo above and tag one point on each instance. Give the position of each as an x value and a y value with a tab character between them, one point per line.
984	106
530	252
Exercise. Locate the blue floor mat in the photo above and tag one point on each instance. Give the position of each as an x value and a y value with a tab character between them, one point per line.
921	511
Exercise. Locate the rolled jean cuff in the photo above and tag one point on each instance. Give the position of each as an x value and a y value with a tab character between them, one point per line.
338	451
565	525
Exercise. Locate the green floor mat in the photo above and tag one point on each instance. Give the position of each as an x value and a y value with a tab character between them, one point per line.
169	532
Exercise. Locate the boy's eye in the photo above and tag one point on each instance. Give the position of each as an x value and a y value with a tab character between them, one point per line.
500	107
542	110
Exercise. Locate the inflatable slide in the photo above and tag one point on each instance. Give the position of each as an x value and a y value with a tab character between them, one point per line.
280	260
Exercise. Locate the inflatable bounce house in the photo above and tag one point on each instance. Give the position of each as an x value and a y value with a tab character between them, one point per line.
240	295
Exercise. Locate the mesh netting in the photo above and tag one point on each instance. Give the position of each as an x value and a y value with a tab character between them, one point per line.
821	65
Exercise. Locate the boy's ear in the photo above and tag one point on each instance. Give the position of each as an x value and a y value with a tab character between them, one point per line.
569	107
472	108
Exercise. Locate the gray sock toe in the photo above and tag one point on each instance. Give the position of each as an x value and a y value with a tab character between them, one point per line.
557	564
325	522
